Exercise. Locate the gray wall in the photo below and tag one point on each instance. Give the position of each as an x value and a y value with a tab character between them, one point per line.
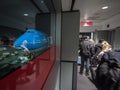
102	35
66	76
69	50
70	36
58	35
116	39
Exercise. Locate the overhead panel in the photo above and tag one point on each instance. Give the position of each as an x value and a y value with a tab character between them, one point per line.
50	6
41	5
57	5
66	5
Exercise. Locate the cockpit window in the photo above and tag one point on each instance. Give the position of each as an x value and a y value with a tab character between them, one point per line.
29	31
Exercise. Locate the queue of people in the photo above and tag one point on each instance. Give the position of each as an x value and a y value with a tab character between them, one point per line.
106	76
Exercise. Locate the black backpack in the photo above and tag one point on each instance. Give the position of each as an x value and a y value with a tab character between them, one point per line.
86	51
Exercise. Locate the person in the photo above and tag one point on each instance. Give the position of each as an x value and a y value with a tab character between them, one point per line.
85	55
4	40
11	42
106	47
97	50
92	47
102	71
24	46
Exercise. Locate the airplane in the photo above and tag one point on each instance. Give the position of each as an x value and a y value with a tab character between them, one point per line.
31	39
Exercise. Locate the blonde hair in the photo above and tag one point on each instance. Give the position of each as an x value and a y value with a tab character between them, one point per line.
106	46
91	40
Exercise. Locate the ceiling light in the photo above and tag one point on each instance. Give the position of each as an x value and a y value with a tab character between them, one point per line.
105	7
26	14
42	1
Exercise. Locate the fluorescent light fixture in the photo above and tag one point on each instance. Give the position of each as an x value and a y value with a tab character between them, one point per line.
42	1
105	7
26	14
42	5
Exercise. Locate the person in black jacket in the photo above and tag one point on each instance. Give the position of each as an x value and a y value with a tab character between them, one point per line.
97	50
98	47
103	78
85	54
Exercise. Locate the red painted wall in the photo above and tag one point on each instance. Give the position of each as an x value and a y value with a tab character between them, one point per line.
31	76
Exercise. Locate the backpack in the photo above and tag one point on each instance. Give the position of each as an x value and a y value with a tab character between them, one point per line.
86	51
108	72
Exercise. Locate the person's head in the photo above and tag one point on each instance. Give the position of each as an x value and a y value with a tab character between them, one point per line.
4	40
92	41
101	40
84	37
106	46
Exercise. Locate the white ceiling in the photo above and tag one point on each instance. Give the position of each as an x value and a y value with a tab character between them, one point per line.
11	11
90	10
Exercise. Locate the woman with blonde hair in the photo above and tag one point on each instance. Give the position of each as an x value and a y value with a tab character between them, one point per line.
108	71
106	47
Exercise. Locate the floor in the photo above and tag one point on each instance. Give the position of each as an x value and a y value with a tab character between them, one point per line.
83	83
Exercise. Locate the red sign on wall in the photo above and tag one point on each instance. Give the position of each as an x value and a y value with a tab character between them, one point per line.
86	23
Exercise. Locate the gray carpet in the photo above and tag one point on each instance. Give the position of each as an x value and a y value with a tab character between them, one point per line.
83	83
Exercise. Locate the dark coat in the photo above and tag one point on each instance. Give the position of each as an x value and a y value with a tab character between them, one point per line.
84	45
97	50
108	72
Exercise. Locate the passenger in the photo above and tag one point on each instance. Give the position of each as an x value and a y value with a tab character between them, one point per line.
11	42
24	46
103	68
92	47
106	47
98	47
108	71
85	55
97	50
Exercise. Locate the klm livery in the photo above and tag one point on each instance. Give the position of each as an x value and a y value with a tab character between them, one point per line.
31	39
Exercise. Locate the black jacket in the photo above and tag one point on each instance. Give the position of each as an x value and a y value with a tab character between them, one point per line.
84	46
97	49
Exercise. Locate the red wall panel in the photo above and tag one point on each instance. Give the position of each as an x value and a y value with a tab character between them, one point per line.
31	76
